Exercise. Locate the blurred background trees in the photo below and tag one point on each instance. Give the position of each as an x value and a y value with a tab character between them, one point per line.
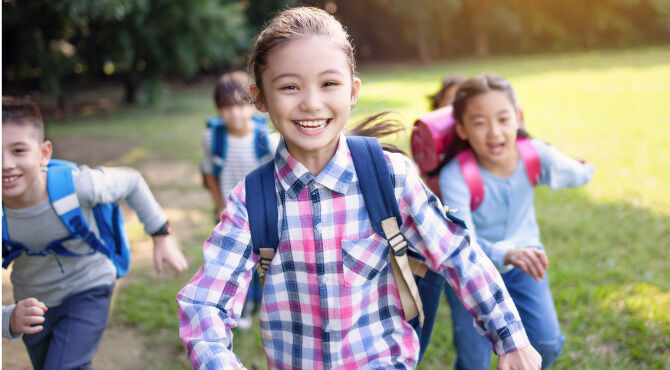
56	46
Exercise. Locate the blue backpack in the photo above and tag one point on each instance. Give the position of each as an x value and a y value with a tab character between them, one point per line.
220	140
60	187
381	204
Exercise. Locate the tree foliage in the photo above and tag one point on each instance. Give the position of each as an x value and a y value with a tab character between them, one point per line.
138	41
422	29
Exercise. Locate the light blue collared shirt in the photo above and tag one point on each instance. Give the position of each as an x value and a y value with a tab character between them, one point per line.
506	217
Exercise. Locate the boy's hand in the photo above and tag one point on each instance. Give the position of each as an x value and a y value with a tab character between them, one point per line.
525	358
530	260
165	249
26	316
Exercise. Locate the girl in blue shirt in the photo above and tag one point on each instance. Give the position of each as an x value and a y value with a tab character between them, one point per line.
504	224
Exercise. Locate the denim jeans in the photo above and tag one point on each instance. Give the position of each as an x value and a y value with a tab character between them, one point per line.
72	331
535	304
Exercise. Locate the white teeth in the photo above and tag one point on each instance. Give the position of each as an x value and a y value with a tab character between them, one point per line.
9	179
312	124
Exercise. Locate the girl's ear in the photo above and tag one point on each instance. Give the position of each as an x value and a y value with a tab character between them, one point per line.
460	131
47	151
259	102
355	87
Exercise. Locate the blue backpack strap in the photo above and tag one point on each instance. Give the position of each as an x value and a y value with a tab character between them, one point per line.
381	203
10	249
64	201
261	140
219	145
377	190
262	211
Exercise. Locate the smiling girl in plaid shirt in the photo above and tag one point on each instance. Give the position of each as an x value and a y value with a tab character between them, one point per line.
318	312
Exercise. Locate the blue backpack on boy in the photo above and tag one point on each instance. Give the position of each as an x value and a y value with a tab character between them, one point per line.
112	242
381	204
220	140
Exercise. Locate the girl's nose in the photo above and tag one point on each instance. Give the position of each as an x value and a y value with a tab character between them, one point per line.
311	101
494	129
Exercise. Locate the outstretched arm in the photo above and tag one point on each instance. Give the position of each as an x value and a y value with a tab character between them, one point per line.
210	304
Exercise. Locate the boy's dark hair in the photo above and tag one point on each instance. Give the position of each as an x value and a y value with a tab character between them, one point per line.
467	90
232	89
447	83
22	112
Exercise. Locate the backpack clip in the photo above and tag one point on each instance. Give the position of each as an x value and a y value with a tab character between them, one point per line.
398	244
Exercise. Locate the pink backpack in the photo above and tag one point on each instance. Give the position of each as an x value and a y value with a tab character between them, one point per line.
431	136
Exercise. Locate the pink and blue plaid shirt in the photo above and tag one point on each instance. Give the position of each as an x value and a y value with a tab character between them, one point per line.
330	299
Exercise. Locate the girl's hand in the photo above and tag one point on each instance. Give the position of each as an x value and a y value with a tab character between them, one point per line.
26	316
165	249
525	358
530	260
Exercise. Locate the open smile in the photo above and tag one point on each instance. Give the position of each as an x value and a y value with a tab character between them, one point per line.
313	124
10	180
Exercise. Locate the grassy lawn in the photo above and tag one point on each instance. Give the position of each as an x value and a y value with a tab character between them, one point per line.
607	242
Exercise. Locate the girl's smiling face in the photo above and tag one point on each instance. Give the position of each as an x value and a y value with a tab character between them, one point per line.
308	91
490	126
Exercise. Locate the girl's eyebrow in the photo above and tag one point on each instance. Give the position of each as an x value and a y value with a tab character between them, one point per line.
326	72
284	75
331	71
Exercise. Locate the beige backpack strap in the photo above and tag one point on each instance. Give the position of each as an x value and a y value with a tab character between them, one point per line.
402	271
266	254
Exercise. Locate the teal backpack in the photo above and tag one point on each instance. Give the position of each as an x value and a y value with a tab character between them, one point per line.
220	140
112	241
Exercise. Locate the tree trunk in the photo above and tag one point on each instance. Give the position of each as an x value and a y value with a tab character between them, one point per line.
481	43
421	45
130	90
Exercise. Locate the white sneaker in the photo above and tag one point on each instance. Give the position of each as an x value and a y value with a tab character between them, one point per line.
244	323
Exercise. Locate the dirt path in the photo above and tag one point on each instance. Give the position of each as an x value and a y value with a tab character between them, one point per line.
122	347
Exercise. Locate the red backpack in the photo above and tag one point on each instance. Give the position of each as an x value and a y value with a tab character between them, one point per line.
431	136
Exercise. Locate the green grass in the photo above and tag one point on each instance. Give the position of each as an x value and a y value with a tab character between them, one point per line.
607	242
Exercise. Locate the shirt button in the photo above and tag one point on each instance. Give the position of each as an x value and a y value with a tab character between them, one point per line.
318	228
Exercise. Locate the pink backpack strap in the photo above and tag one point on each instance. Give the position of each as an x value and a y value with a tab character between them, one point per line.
530	159
473	179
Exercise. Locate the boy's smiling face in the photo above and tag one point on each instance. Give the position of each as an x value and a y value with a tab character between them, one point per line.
23	183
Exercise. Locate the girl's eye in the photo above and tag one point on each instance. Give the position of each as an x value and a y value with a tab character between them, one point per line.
19	150
330	83
288	87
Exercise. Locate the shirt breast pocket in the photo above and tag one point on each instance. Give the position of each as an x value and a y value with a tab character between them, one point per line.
363	259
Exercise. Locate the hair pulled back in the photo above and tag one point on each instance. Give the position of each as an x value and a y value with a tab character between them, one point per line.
296	23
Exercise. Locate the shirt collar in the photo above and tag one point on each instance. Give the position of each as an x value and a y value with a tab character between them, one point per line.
336	176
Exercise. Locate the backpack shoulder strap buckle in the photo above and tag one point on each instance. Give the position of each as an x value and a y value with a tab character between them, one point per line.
395	237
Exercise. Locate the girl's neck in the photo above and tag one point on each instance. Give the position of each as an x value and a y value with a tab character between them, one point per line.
314	161
505	167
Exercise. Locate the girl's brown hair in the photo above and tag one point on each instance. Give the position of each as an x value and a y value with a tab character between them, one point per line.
292	24
468	89
300	22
